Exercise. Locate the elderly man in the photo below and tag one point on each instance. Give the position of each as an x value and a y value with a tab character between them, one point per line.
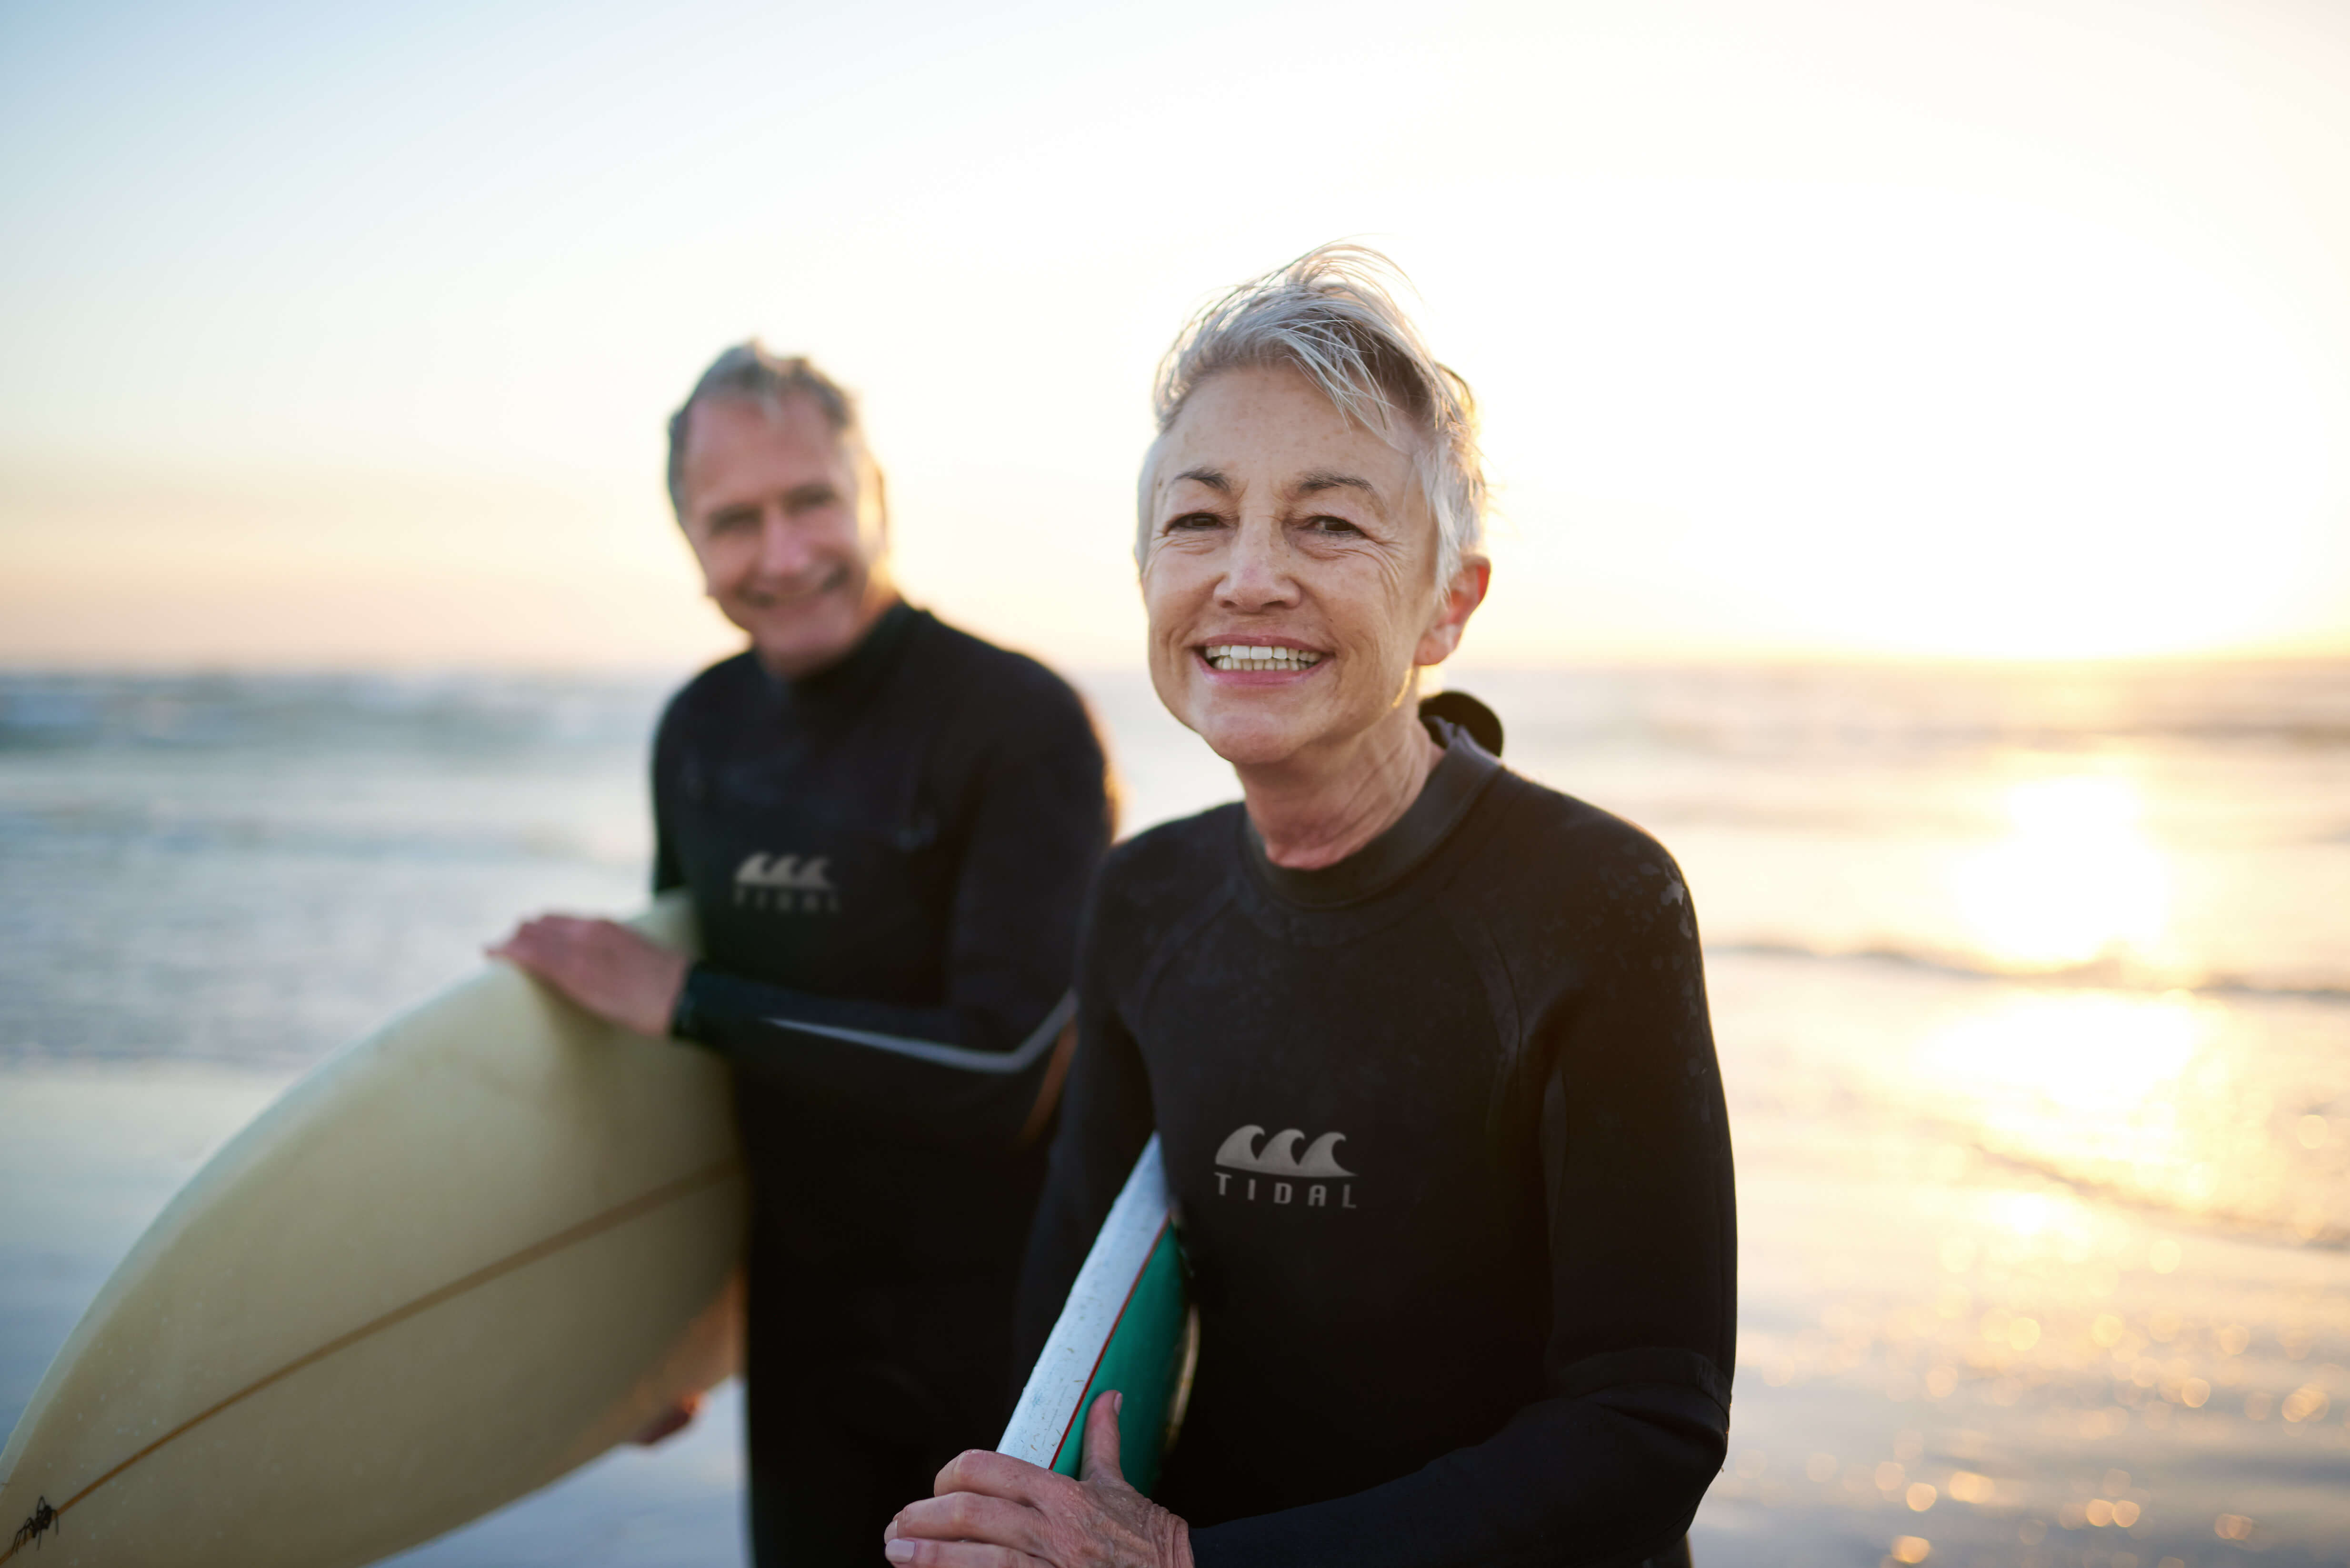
1497	1326
887	828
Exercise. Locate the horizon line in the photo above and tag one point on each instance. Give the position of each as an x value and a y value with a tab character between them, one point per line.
13	666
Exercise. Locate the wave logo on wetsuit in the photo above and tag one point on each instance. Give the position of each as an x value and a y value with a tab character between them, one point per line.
781	885
1314	1179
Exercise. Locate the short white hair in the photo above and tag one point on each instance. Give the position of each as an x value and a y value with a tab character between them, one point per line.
1329	315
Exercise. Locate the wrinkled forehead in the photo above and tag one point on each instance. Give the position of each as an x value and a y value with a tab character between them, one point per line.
796	418
734	439
1258	428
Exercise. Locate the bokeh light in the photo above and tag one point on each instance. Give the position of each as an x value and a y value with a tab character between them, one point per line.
2075	879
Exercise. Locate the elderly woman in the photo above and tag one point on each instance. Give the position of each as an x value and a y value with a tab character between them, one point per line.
1486	1316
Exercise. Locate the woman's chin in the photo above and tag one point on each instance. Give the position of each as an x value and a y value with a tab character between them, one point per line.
1250	740
1257	725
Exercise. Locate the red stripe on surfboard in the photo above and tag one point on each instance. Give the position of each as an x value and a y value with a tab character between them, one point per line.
1079	1413
620	1214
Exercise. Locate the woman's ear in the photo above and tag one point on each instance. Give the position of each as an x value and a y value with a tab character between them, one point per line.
1459	602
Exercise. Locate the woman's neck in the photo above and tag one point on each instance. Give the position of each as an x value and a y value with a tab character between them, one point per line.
1315	810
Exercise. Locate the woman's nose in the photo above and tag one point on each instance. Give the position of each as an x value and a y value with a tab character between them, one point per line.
1256	571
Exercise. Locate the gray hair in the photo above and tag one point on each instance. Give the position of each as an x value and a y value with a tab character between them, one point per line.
751	372
1329	315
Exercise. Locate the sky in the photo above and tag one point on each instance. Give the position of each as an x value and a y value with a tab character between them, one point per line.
345	336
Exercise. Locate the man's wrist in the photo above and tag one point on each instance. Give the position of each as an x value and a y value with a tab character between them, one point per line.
685	1020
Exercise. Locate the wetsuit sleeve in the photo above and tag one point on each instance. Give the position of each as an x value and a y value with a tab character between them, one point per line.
969	1070
669	873
1623	1099
1106	1119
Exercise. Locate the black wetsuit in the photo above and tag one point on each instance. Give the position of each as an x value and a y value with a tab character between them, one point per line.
1447	1134
888	860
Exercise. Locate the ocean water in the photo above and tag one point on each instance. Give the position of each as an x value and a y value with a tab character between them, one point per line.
2032	987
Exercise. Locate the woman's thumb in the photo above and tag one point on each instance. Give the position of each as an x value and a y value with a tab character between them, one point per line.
1100	1462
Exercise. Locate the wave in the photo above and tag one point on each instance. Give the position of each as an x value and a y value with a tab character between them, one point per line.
1857	817
2327	1236
2100	975
27	832
1857	708
1825	712
54	710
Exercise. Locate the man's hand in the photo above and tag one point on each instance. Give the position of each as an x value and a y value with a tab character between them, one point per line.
995	1511
604	967
670	1422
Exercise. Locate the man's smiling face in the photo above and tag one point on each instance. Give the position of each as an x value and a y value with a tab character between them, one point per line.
1283	530
785	519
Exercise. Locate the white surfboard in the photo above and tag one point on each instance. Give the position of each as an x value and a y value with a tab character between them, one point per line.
1127	1325
455	1261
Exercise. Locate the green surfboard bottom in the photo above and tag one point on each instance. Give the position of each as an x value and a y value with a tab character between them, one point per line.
1147	1360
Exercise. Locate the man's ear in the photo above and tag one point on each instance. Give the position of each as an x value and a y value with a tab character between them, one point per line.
1460	601
873	508
701	563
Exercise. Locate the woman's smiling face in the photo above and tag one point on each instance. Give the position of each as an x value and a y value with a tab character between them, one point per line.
1290	575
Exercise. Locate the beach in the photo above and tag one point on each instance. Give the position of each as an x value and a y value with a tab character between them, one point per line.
2032	988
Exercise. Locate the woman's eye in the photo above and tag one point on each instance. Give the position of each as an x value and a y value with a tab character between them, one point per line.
1190	521
1331	525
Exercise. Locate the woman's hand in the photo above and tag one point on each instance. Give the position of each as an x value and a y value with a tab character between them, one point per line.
604	967
995	1511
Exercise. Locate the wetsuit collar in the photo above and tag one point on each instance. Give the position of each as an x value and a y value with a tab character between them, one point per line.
844	684
1453	785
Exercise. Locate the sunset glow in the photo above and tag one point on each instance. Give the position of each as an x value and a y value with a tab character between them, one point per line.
1968	331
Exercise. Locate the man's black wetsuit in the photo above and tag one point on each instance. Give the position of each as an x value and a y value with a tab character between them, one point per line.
1447	1134
888	860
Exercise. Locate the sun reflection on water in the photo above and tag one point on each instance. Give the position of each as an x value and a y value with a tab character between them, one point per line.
2147	1097
2085	1085
2075	879
2098	1058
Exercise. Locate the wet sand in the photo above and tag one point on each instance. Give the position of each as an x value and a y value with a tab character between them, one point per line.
1935	1347
1951	1357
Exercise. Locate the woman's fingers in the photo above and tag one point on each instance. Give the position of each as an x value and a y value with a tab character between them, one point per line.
918	1553
1031	1518
998	1475
972	1516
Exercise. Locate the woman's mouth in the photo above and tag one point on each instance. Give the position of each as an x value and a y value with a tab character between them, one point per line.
1235	657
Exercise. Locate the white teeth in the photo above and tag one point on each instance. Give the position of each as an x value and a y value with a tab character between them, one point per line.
1253	656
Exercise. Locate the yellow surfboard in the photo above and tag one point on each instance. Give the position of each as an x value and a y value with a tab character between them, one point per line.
455	1261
